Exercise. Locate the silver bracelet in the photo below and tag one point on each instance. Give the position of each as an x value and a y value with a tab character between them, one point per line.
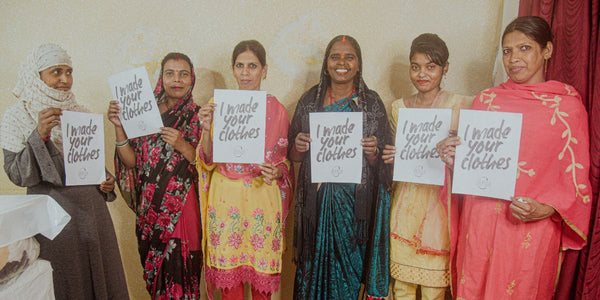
122	144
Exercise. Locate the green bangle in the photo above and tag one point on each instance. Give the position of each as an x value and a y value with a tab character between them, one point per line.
122	144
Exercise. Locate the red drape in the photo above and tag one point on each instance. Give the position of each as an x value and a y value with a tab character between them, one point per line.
576	61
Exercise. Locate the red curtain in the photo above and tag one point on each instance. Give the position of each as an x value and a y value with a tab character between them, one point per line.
576	61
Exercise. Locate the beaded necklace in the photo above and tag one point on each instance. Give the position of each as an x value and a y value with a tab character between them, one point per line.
345	99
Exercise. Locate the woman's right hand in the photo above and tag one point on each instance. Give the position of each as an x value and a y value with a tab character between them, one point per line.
205	115
113	113
389	152
302	142
446	149
47	119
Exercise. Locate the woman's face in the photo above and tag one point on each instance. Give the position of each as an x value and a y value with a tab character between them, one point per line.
523	58
58	77
425	75
248	71
342	62
177	78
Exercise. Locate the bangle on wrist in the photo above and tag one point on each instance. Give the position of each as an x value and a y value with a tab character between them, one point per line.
122	144
46	138
374	156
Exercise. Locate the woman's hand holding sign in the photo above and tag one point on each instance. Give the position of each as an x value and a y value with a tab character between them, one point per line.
302	142
301	145
108	185
206	115
48	119
389	152
113	113
446	149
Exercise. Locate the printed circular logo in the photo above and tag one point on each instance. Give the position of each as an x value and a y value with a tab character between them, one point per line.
336	171
142	125
238	151
83	173
419	171
484	183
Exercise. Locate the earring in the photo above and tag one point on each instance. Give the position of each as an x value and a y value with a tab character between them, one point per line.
545	65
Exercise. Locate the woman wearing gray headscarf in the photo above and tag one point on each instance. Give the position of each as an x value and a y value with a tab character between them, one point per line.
85	257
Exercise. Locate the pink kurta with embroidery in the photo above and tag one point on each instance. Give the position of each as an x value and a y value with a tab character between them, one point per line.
500	257
243	217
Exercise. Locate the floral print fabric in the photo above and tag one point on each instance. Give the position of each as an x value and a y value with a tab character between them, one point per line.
168	217
244	217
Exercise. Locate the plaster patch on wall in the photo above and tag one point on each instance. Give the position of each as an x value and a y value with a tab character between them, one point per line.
299	45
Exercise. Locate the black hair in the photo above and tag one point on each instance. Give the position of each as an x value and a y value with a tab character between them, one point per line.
534	27
252	45
175	56
431	45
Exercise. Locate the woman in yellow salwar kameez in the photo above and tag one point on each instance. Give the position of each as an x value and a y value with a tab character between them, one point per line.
419	239
244	205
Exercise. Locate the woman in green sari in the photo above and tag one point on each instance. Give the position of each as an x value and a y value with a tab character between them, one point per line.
341	229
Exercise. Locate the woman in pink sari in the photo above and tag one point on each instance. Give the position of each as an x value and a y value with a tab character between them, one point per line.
244	205
513	249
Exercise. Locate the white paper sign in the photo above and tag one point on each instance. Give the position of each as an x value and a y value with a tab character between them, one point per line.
239	126
83	148
418	132
139	111
486	161
335	150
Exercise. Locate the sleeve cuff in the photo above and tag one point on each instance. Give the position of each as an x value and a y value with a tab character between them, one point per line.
43	156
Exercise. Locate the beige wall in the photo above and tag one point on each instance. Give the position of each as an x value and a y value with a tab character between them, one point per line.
106	37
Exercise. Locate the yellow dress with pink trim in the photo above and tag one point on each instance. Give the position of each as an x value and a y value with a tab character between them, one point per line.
419	238
243	217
